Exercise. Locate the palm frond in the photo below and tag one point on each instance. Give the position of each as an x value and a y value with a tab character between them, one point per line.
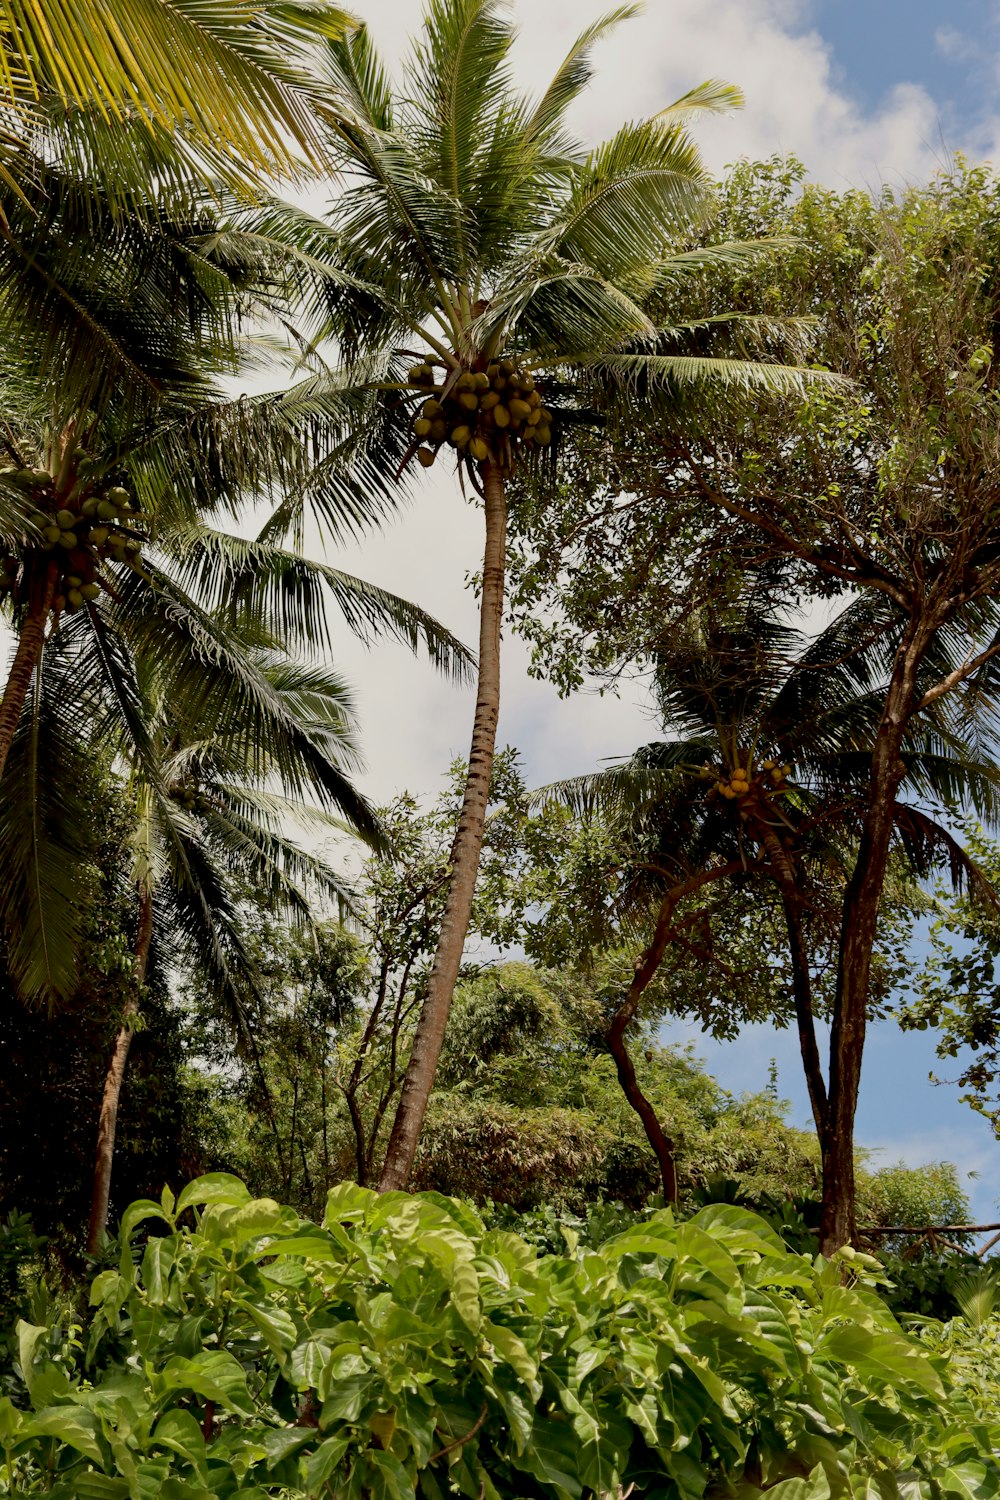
237	80
632	197
713	96
241	580
541	131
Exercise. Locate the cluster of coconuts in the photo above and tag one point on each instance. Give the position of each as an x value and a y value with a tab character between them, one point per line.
186	794
766	780
483	413
80	532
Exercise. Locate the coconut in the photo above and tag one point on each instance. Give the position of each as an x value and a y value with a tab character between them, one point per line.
478	449
426	456
67	539
469	400
460	435
501	416
422	426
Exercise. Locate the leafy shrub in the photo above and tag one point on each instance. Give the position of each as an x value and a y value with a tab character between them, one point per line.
924	1285
401	1347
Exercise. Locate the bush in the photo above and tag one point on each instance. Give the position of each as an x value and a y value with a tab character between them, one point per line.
401	1347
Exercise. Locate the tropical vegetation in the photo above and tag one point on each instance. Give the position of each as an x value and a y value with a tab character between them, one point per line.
737	440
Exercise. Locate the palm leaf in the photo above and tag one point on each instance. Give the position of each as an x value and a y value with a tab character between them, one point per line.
572	77
244	579
209	65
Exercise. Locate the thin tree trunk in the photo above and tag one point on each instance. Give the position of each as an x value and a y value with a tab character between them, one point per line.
664	1148
789	888
29	649
465	853
859	927
108	1120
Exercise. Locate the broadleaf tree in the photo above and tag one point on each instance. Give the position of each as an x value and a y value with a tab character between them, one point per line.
885	487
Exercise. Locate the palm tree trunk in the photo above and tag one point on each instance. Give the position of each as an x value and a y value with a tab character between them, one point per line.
790	887
465	853
108	1119
29	649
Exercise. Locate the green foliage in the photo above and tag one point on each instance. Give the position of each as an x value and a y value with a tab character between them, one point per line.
926	1285
400	1347
55	1061
973	1352
21	1250
930	1195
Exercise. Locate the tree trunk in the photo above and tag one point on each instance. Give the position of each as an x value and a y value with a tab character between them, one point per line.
108	1119
859	927
789	883
465	853
646	966
663	1147
29	648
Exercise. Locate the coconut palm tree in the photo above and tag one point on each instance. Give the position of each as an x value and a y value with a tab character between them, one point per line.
213	795
119	324
765	784
486	280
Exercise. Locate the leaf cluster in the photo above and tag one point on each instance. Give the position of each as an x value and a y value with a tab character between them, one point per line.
399	1347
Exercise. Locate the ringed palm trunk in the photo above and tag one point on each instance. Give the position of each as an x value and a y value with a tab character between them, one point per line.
465	853
29	648
108	1119
790	886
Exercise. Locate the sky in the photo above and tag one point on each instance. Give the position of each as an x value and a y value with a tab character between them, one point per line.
863	100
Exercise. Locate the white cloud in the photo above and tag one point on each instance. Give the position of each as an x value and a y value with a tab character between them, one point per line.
784	68
954	44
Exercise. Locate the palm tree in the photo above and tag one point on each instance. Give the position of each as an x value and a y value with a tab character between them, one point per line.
485	285
119	319
213	795
765	783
